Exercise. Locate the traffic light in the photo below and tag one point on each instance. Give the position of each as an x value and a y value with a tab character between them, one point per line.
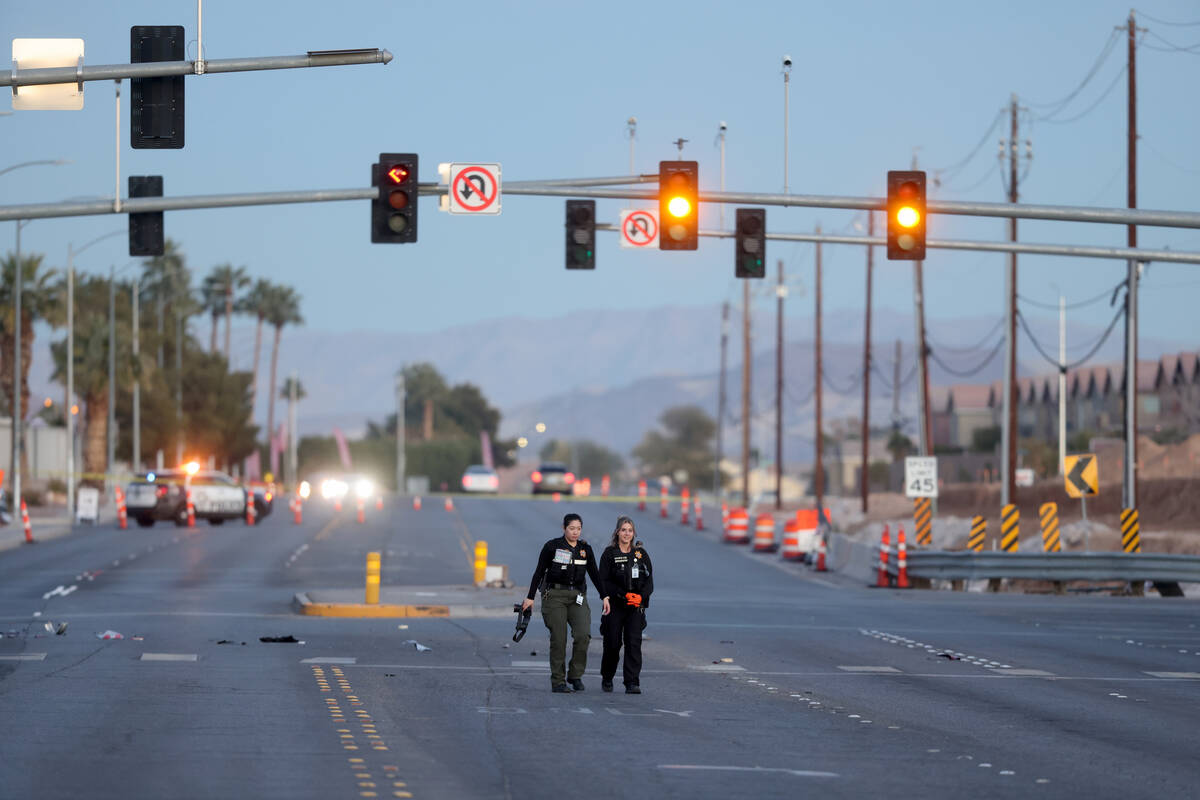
146	227
156	104
751	247
906	216
678	204
581	234
394	208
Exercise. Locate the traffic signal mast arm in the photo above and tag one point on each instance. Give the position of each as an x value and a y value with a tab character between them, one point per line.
108	72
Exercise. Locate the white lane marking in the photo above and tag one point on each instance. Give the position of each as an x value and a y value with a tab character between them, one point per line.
168	657
802	773
545	664
69	589
25	657
329	660
1030	673
57	590
868	669
717	668
1174	674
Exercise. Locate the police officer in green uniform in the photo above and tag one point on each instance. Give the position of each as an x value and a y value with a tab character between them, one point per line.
562	566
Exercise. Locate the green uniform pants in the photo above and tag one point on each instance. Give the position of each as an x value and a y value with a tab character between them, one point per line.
559	609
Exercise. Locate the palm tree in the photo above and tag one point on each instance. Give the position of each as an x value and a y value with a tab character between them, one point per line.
166	279
229	280
41	300
285	391
91	366
282	308
256	302
212	300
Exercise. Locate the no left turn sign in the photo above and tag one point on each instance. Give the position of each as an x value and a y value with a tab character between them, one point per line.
474	189
639	228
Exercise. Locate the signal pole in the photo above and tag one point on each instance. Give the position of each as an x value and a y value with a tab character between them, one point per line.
818	463
864	477
1131	291
780	293
1008	447
721	399
746	393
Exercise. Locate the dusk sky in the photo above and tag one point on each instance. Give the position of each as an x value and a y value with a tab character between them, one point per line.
545	88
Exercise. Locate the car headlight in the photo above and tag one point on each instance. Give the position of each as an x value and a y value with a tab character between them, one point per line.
332	489
305	490
364	488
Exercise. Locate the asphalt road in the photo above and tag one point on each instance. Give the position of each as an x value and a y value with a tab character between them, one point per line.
761	679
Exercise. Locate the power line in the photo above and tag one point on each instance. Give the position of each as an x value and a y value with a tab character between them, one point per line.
1054	362
974	370
1171	46
1141	13
1090	108
855	380
1160	154
1107	293
985	338
995	166
1105	52
955	167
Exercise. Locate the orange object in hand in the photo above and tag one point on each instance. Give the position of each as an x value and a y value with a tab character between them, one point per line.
633	598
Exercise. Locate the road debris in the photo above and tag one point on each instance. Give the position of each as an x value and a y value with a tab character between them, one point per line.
289	639
419	647
109	635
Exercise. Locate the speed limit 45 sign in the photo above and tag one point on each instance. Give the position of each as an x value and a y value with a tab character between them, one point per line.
920	476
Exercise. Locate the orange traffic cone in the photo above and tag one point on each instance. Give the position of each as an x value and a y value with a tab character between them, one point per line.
25	522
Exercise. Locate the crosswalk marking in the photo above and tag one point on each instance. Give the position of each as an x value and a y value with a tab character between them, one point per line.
868	669
1174	674
25	657
168	657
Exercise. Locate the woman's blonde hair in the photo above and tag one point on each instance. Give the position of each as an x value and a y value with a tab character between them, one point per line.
621	521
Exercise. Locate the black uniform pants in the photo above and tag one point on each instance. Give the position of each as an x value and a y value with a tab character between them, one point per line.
622	626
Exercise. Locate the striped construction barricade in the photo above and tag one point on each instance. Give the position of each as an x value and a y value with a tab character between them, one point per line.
764	534
738	529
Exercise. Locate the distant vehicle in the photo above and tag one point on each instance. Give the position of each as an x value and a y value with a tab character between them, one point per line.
264	500
479	478
161	496
552	477
345	487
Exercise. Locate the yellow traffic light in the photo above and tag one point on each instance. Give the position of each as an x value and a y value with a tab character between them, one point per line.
679	206
908	217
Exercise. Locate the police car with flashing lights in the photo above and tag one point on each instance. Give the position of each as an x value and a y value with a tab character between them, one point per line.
162	496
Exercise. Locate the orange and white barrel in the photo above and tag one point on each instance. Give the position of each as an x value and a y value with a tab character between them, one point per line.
699	515
416	502
641	495
685	500
249	507
790	551
122	513
738	529
764	533
662	502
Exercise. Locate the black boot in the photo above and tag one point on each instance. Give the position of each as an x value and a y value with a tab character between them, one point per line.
633	688
561	688
606	685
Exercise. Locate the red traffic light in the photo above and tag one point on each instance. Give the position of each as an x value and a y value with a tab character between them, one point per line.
398	174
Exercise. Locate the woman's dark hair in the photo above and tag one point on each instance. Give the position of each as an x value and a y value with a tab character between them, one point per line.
616	530
569	518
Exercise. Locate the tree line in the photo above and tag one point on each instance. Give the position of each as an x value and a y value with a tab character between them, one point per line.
187	394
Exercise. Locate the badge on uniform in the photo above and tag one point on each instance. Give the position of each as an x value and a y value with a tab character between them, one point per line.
578	599
562	556
634	572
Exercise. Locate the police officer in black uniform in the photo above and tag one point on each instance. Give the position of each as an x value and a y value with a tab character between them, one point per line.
628	582
562	565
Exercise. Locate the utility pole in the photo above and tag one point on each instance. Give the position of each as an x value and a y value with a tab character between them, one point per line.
1062	382
819	462
1008	447
925	425
746	393
721	206
925	446
70	404
292	461
136	458
179	445
632	131
1131	290
111	423
780	293
18	417
721	400
865	472
400	432
896	387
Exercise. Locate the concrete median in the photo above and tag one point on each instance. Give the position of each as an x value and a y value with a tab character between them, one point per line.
408	601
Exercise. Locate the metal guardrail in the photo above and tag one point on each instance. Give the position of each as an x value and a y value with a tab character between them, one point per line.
966	565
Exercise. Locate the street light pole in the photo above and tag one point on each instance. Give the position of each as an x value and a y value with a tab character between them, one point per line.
111	422
17	417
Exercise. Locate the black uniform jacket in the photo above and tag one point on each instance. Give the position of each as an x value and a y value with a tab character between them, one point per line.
617	568
561	564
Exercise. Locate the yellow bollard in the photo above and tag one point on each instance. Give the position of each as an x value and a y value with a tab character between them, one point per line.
372	578
480	562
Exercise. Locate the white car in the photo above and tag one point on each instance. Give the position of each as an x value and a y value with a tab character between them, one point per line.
479	478
161	496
